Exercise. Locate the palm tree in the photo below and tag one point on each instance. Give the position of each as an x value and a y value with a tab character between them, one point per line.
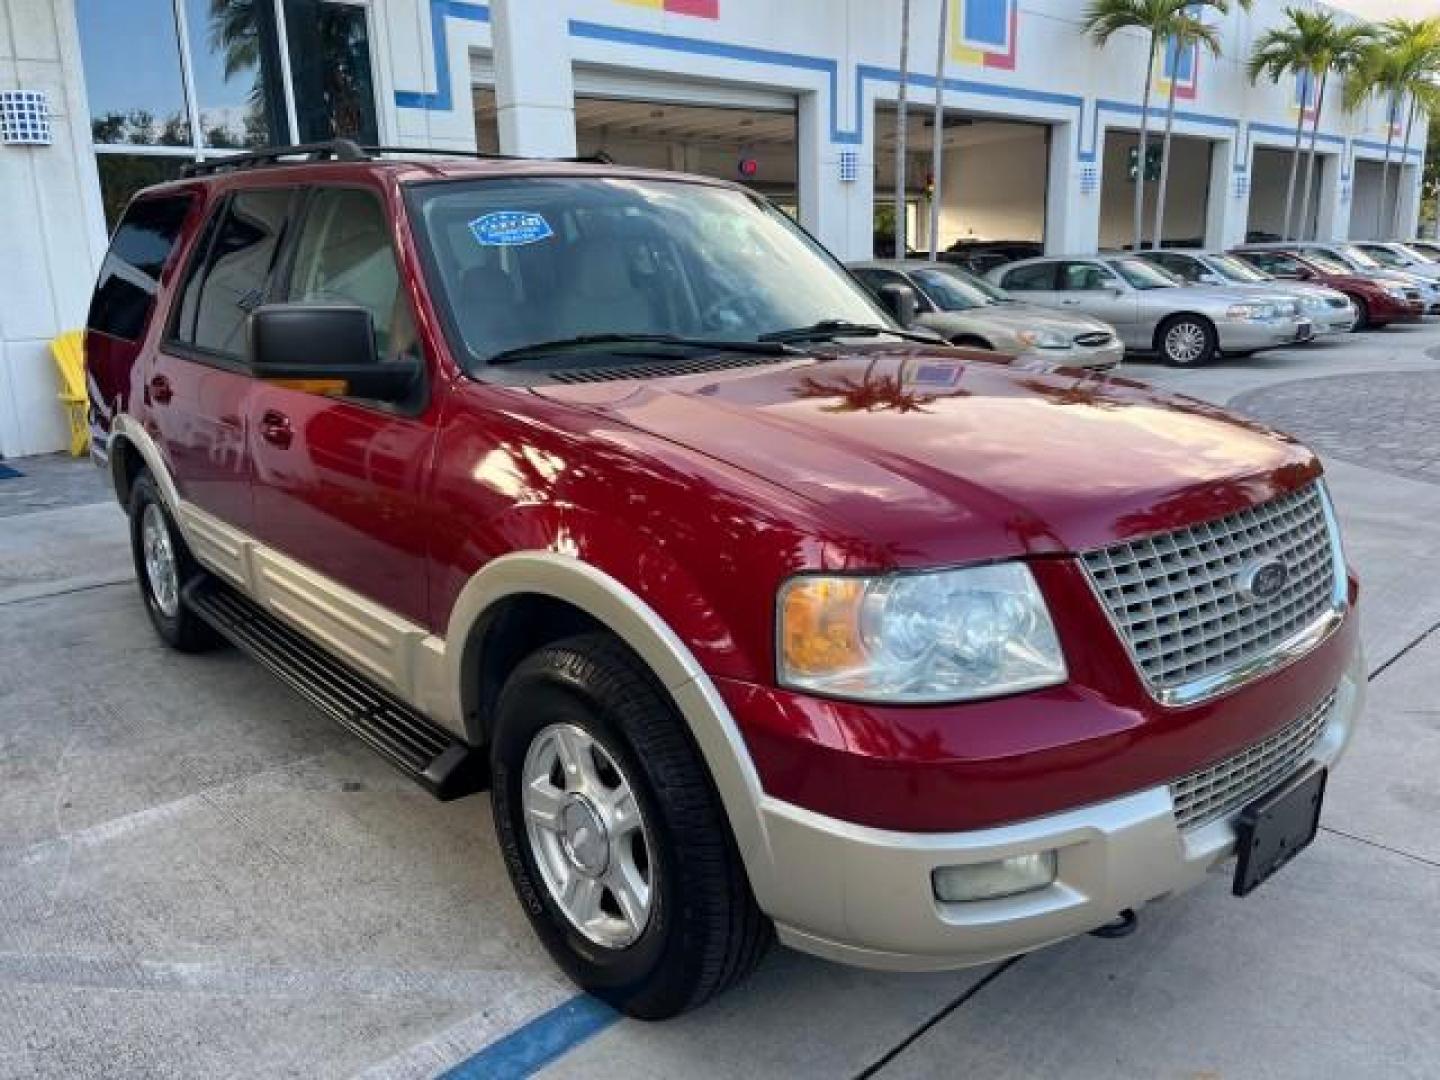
1157	20
900	132
1302	47
1347	46
1419	42
1404	56
1186	30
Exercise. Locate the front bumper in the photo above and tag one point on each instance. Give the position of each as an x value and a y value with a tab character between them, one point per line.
1335	320
864	896
1248	335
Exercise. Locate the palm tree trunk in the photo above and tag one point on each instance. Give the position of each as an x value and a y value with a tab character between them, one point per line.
1385	166
1404	156
1294	168
1140	152
1164	164
1310	158
900	131
937	157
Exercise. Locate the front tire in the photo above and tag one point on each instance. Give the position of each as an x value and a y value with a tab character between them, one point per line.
163	566
614	835
1186	341
1362	315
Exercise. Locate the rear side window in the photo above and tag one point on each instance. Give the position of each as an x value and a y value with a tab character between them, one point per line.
1032	278
130	275
229	275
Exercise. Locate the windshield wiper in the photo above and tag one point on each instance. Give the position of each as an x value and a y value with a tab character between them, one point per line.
636	343
826	329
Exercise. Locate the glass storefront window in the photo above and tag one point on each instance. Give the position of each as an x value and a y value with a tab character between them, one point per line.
132	72
330	69
234	59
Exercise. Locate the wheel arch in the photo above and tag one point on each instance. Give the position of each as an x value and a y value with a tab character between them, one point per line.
562	592
1169	320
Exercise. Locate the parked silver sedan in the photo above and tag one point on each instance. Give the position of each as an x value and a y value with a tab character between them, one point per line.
1329	311
1396	256
968	310
1153	311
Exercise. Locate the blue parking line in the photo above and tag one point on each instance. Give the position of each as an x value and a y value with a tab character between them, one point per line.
534	1045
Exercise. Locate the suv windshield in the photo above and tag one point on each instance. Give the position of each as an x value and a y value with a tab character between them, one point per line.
1233	269
545	259
1143	275
953	291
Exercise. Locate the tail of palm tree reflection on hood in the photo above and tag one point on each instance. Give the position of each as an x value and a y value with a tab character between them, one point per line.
897	393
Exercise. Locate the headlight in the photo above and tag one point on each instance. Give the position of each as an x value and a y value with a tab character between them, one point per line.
947	635
1042	339
1395	291
1251	311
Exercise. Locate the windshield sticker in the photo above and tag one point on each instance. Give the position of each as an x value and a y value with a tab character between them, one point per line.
510	228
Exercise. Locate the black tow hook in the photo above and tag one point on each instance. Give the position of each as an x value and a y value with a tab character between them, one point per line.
1123	925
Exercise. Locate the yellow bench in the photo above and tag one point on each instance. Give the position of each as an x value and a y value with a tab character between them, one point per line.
69	352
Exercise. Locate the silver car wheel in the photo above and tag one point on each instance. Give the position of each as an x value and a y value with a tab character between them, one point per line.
1185	342
587	835
161	571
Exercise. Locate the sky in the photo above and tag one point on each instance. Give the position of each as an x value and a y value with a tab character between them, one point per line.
1388	9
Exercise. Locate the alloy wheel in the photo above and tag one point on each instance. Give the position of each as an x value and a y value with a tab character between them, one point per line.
161	570
1185	343
587	835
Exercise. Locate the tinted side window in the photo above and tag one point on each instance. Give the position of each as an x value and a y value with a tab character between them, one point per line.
1030	278
1085	277
872	278
346	256
130	274
229	281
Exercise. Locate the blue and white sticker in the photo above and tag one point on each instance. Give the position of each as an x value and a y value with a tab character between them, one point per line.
510	228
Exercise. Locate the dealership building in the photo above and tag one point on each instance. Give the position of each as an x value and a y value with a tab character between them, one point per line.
797	99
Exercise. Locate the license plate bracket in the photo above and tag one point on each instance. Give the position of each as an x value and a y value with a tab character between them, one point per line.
1276	827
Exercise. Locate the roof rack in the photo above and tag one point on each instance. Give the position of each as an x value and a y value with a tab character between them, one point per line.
334	150
349	150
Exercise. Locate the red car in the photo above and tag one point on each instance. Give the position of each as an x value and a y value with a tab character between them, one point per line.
1378	303
758	614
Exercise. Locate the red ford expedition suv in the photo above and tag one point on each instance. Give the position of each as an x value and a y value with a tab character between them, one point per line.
609	490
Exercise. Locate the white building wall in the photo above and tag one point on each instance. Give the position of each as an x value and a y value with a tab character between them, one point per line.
836	57
51	225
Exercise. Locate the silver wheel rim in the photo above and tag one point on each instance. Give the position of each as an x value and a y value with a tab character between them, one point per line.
160	570
1185	342
587	835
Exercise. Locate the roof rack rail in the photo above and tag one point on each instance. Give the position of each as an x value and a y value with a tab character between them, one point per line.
348	150
597	158
333	150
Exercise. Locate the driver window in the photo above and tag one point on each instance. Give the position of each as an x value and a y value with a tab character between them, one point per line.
1180	266
1086	277
346	256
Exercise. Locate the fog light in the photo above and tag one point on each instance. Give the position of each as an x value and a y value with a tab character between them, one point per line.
989	880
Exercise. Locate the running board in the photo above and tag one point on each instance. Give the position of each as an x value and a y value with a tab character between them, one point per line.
428	754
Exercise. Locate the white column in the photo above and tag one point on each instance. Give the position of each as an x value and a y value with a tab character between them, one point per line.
1228	209
534	85
52	228
1072	197
836	211
1333	220
1408	194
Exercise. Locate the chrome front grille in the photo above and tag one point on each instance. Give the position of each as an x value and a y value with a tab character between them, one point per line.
1228	785
1093	340
1338	301
1179	601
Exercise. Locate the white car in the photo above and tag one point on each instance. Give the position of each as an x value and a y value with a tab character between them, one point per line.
1329	310
1397	256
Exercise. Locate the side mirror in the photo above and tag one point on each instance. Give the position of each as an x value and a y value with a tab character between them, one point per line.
899	301
326	349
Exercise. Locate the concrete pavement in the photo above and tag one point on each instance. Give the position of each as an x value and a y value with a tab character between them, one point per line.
200	876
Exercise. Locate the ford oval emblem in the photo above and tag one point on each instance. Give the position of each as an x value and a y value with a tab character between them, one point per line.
1263	580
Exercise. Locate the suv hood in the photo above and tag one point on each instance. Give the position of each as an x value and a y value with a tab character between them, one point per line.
927	457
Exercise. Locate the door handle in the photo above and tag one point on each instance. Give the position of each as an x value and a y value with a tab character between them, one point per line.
160	391
275	428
